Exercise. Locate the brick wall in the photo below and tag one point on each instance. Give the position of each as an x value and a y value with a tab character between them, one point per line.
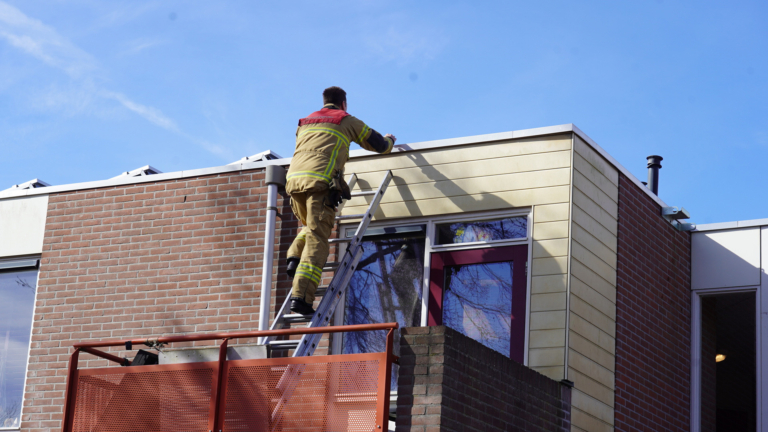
179	256
449	382
653	315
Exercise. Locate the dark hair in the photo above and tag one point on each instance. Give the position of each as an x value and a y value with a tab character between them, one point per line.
334	95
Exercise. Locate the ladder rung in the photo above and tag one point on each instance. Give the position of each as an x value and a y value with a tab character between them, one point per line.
330	266
353	216
340	240
296	318
283	344
320	292
366	193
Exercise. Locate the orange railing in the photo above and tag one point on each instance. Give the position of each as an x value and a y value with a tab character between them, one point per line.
323	393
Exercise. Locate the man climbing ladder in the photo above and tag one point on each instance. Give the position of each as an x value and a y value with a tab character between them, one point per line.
316	187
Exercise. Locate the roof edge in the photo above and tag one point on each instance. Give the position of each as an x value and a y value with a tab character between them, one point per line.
618	166
402	148
731	225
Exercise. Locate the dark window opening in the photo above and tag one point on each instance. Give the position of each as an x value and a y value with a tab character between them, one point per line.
728	378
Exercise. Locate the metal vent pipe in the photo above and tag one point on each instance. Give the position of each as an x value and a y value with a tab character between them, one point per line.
654	165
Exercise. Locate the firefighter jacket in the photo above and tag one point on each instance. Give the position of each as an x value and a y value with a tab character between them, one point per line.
322	147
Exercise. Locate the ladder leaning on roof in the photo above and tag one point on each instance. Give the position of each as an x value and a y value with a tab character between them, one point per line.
333	294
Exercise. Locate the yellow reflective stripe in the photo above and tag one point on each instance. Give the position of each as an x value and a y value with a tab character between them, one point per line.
341	139
334	156
301	235
364	132
329	131
309	276
309	174
312	268
391	145
310	265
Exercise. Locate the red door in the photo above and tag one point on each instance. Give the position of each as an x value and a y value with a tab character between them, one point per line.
482	294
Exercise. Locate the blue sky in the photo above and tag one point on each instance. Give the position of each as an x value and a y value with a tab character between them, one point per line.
89	89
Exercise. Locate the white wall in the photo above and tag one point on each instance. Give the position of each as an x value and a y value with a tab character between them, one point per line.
22	225
725	259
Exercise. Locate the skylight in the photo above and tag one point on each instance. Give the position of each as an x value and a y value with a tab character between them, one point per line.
258	157
138	172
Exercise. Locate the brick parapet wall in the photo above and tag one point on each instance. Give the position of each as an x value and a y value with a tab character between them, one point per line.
449	382
653	316
151	259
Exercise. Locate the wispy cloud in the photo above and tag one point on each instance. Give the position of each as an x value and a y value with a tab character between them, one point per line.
44	43
40	41
152	115
139	45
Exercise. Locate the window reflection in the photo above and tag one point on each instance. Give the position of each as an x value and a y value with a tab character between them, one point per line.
477	302
17	298
386	287
482	231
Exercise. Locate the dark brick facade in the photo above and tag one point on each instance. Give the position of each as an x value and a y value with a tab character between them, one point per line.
653	316
449	382
150	259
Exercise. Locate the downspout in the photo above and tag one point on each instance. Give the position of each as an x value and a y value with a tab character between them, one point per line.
275	177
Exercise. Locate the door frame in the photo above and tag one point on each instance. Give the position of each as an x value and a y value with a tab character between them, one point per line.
761	340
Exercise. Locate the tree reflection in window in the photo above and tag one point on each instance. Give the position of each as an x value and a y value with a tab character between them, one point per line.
482	231
386	287
477	302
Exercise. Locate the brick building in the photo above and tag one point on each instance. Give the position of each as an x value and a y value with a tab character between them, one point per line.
532	251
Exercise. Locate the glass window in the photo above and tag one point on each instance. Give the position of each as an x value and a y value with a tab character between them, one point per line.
386	287
482	231
17	300
481	293
477	302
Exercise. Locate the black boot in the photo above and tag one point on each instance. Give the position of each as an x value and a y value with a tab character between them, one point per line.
293	264
299	306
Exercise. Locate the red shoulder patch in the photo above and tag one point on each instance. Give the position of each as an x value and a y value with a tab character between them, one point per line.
325	115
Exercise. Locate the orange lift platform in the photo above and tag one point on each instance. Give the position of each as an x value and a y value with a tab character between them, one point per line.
348	392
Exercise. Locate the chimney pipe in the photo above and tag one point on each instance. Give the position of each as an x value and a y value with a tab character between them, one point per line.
654	164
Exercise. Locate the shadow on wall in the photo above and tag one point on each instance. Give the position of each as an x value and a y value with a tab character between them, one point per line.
725	259
463	200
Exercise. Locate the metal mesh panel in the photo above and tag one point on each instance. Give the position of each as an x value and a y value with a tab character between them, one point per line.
330	396
172	400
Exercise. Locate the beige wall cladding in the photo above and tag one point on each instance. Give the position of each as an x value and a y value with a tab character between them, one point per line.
551	213
549	284
592	302
589	404
527	173
498	175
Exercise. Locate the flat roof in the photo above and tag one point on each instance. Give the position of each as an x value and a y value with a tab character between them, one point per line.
401	148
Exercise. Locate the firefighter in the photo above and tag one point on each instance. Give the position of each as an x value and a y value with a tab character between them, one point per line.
316	187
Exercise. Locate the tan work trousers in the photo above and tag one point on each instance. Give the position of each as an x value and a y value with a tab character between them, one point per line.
311	245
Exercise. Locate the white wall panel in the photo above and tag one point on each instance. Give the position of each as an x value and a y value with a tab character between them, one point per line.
722	259
22	225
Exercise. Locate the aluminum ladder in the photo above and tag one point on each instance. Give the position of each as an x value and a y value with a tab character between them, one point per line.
333	294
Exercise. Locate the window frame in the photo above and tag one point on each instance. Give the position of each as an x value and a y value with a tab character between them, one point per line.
430	247
502	254
22	263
